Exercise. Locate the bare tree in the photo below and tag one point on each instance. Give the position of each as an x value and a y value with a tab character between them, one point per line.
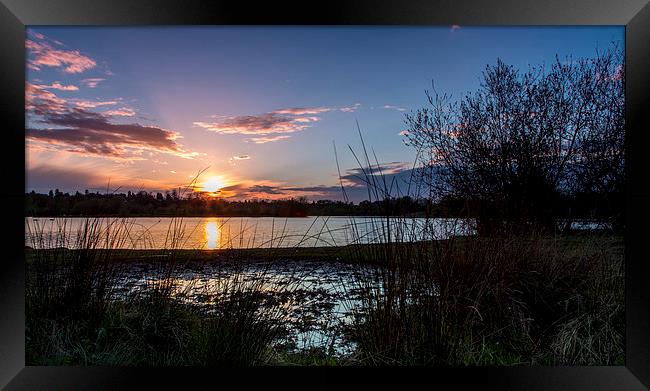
523	140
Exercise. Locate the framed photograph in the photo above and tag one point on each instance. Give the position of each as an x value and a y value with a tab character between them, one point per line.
413	191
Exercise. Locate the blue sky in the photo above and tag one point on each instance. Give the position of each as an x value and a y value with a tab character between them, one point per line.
259	106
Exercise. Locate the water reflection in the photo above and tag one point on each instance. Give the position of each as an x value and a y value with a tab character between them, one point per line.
313	298
212	234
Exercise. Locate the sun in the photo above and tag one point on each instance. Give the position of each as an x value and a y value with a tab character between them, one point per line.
212	184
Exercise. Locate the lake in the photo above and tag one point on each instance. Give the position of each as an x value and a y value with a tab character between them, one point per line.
240	232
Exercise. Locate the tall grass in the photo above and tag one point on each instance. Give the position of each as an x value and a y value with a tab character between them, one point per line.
476	301
71	278
71	281
80	312
533	298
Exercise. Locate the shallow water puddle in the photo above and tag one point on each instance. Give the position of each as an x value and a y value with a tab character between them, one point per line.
316	298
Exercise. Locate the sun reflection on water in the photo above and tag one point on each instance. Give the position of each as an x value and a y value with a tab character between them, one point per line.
212	234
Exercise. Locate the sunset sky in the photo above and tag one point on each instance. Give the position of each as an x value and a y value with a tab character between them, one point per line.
147	108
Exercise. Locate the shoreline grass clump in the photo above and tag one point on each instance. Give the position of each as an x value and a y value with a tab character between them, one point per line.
513	300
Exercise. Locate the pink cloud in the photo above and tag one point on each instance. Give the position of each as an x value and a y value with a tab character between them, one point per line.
266	139
258	124
36	35
350	109
241	157
306	119
41	101
87	133
122	111
89	104
285	120
267	190
58	86
92	82
73	128
392	107
302	110
72	61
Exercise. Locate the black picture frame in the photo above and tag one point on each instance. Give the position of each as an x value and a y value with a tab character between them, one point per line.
16	14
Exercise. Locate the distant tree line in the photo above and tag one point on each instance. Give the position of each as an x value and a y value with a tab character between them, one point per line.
142	203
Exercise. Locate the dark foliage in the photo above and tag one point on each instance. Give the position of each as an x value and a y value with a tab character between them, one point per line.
524	141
